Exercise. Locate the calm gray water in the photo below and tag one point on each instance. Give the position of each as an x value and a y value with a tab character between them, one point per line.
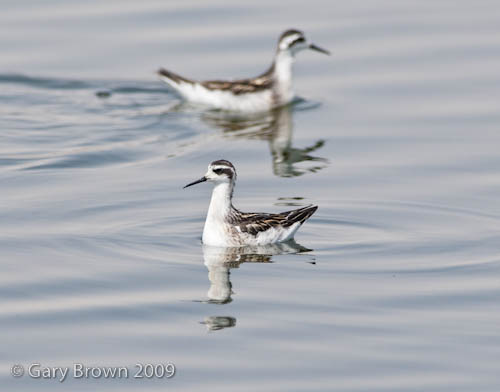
393	285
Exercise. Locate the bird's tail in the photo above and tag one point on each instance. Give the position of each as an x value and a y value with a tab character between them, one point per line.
302	214
172	79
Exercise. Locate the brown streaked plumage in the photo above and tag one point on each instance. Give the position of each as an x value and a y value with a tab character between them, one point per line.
236	87
253	223
242	86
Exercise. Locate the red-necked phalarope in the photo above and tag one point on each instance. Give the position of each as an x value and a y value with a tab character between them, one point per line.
226	226
271	89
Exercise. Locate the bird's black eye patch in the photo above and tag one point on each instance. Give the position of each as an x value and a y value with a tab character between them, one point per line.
224	170
296	41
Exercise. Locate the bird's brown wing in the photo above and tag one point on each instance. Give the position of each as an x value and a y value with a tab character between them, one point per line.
243	86
253	223
236	87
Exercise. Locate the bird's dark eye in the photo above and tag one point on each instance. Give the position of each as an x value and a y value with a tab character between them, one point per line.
217	171
300	39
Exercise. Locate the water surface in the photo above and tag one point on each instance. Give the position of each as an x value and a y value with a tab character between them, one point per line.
393	285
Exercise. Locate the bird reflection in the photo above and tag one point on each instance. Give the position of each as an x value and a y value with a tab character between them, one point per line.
220	261
276	127
214	323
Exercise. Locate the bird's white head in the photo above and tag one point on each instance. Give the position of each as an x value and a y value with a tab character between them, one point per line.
219	172
294	41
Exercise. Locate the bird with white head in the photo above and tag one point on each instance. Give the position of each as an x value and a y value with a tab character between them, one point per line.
227	226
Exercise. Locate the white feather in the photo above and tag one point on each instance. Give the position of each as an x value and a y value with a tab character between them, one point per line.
283	77
215	231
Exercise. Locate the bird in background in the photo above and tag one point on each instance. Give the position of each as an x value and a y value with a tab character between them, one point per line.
271	89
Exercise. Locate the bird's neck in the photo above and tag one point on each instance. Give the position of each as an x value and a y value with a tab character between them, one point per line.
283	63
220	204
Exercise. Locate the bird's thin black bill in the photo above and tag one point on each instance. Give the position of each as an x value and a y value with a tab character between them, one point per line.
318	49
202	179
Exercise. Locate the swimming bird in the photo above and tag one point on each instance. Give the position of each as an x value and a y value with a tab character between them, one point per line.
271	89
226	226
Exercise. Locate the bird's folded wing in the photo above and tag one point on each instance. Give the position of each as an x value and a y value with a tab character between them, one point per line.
254	223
